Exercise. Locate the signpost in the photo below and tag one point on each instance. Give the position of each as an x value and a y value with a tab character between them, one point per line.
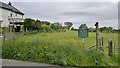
83	33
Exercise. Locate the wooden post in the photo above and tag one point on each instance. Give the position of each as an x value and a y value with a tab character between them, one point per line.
97	35
109	47
25	29
103	44
114	47
100	42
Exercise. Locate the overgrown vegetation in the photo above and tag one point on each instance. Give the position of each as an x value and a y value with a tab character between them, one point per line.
42	26
105	30
63	48
56	44
4	30
31	24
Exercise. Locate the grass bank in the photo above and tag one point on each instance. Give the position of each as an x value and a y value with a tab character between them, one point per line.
62	48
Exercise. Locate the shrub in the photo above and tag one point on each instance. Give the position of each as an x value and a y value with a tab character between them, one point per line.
46	28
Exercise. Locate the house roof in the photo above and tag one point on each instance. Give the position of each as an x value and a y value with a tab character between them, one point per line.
10	7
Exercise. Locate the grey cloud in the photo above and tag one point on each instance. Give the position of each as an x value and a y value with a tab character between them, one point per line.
62	0
80	13
76	12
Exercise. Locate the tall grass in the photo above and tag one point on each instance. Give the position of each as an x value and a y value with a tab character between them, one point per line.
63	48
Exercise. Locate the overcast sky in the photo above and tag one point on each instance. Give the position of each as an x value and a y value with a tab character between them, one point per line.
76	12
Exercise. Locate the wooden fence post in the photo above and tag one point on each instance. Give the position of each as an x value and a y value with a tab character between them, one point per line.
114	48
97	35
103	44
109	47
99	42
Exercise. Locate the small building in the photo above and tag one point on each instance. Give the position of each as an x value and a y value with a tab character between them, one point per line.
11	17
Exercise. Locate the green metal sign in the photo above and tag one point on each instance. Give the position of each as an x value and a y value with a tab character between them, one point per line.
83	33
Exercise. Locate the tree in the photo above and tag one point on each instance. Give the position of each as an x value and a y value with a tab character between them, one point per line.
91	29
38	23
72	28
110	29
56	26
47	23
68	24
83	26
106	29
46	28
29	23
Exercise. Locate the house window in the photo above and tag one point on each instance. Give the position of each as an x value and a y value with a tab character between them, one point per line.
11	15
16	14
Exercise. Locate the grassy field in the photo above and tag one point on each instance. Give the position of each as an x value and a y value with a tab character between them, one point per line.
63	48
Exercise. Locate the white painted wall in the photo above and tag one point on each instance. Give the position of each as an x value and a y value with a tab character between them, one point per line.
0	14
5	14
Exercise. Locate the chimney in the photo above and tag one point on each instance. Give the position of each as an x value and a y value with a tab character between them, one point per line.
9	3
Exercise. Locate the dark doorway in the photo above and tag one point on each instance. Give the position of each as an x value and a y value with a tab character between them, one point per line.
17	28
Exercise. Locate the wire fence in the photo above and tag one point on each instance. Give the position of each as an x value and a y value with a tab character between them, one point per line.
116	47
